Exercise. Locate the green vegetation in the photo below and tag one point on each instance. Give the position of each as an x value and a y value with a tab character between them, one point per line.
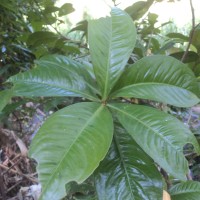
110	143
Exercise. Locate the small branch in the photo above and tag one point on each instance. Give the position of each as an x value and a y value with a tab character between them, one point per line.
148	51
16	172
56	30
12	187
19	122
2	188
189	177
47	20
166	177
13	164
191	33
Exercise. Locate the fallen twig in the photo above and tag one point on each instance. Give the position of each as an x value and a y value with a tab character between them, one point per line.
21	174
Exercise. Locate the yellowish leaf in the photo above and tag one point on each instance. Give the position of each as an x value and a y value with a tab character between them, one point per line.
166	196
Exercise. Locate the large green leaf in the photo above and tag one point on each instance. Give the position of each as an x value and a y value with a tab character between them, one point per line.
160	135
70	145
127	172
42	37
189	190
138	9
5	97
55	76
159	78
111	42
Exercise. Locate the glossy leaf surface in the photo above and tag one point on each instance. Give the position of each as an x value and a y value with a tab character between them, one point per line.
70	145
55	76
160	135
159	78
189	190
111	42
127	172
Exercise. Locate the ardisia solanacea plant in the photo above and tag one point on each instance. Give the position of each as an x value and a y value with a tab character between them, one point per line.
121	144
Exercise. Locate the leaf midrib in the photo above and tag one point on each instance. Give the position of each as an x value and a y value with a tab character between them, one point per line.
124	165
108	64
151	84
148	127
186	192
64	88
99	109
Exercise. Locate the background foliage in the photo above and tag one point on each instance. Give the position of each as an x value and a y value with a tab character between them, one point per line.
30	37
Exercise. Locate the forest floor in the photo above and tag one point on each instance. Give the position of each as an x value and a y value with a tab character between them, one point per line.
18	177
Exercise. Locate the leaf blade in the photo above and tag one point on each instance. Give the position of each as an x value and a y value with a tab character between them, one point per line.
189	190
111	42
127	172
5	97
160	135
68	149
54	76
159	78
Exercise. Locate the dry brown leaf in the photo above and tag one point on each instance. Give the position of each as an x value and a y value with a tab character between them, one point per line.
166	195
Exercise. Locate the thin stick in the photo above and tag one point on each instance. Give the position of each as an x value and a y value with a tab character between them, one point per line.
12	187
189	177
191	33
16	172
2	188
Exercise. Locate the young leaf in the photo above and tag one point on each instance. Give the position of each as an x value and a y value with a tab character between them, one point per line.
55	76
42	37
66	9
160	135
127	172
138	9
159	78
70	145
111	42
178	36
189	190
5	97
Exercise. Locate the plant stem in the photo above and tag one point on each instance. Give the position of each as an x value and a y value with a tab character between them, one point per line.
191	33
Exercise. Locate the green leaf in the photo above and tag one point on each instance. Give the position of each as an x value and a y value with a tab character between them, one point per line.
190	57
189	190
127	172
50	9
70	145
152	18
55	76
196	37
138	9
178	36
160	135
8	5
81	26
66	9
5	97
9	108
111	42
42	37
159	78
